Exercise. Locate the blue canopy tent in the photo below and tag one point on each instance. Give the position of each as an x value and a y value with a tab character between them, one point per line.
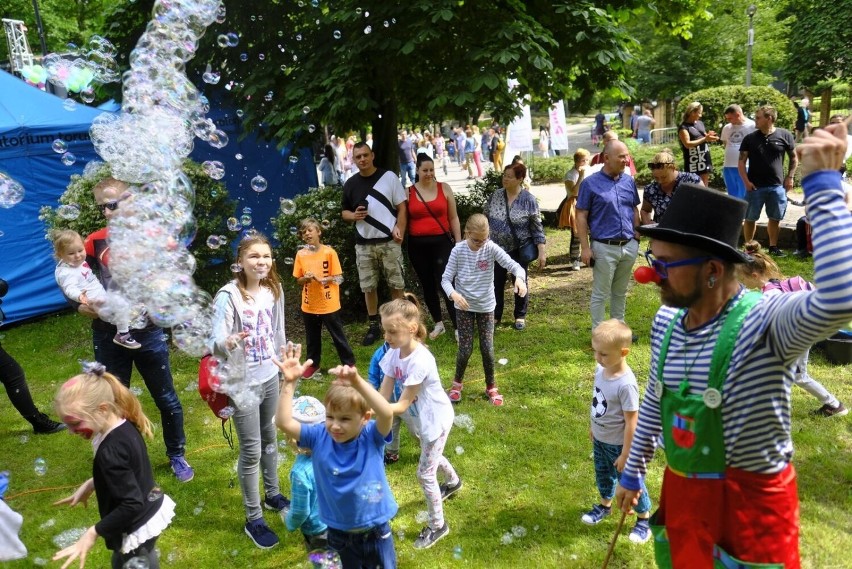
286	176
30	120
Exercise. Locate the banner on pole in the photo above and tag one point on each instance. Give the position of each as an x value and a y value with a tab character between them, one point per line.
558	127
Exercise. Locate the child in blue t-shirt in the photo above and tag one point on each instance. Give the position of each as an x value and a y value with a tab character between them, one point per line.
304	502
355	501
375	377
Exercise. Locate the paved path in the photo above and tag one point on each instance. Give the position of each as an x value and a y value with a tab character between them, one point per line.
549	196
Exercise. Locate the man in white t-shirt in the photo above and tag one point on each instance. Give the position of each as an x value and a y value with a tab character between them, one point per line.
732	136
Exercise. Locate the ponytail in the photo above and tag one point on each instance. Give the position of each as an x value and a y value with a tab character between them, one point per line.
96	386
408	309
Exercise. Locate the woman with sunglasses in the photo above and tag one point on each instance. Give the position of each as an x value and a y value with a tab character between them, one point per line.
667	179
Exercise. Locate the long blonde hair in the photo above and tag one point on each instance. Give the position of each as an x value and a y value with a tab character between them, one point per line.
83	394
408	310
271	281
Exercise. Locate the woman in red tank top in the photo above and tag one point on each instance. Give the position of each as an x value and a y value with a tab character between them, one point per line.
433	230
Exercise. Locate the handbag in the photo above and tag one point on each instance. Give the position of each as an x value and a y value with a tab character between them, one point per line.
528	252
435	217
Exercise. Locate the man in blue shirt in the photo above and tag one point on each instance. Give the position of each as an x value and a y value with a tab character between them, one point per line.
607	217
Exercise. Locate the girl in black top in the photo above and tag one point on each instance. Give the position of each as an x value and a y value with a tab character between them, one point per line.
134	511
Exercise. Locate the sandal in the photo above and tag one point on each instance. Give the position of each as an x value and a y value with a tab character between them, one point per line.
455	392
494	396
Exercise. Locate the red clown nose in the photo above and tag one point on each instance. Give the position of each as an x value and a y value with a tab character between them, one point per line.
645	275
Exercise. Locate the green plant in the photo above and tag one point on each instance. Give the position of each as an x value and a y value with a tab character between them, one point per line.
716	99
475	199
645	153
212	208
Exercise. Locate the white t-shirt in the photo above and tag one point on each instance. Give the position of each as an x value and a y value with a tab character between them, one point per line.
611	398
732	136
256	319
431	412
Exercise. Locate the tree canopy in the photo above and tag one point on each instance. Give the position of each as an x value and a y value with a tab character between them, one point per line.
64	21
818	49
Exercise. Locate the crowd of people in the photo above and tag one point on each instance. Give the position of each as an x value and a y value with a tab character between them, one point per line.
722	358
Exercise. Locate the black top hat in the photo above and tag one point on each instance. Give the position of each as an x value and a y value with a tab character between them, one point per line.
702	218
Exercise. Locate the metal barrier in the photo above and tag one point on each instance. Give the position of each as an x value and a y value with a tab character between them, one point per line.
664	136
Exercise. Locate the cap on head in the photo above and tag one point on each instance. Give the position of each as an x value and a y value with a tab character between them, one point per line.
308	410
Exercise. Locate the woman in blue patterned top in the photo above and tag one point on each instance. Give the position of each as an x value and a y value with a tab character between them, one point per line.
515	223
667	179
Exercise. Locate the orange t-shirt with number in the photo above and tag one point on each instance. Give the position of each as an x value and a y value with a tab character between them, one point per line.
318	298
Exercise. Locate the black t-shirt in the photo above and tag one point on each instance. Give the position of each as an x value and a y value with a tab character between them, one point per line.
696	159
766	156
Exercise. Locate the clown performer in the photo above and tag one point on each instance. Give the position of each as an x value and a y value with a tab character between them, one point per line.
722	363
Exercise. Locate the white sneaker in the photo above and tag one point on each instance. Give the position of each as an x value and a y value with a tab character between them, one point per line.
437	331
575	266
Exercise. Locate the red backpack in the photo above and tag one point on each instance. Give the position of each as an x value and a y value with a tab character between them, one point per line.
208	384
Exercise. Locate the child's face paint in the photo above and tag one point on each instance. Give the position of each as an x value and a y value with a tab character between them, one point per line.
78	426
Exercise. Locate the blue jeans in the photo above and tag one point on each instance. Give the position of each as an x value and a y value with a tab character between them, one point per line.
256	434
610	278
368	550
152	362
409	169
606	474
773	197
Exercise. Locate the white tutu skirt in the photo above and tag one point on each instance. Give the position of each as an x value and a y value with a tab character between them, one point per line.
152	527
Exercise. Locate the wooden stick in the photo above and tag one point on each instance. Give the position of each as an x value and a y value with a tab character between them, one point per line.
614	538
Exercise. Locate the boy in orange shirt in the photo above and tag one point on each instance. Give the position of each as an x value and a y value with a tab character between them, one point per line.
318	270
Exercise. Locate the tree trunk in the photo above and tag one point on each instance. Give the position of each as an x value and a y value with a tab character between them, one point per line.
825	107
385	145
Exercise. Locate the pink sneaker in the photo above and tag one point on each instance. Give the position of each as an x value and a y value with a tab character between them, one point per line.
127	341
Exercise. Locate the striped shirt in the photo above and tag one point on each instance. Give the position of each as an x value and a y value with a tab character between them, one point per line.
383	192
473	274
756	394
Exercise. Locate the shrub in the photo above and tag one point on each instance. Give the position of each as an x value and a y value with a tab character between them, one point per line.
475	199
716	99
551	170
212	208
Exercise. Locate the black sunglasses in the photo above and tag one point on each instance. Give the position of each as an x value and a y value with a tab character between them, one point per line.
112	206
658	165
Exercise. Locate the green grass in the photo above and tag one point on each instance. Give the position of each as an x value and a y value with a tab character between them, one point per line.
525	465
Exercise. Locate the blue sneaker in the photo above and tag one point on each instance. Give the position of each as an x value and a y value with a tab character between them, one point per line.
596	515
183	471
276	503
260	534
641	532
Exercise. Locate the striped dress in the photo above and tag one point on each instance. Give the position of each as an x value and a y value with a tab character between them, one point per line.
756	394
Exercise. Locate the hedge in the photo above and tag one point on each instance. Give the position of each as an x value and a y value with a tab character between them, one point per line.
716	99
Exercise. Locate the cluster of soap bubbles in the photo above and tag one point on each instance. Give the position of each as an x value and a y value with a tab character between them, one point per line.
464	422
83	68
325	559
11	191
228	376
145	145
516	532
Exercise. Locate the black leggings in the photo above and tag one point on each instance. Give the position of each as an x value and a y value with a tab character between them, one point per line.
12	378
146	551
428	256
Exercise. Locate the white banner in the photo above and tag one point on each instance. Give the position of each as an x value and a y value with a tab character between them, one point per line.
558	127
519	134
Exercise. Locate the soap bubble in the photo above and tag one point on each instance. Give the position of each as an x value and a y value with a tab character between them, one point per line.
222	40
243	57
288	206
68	211
136	563
306	109
214	242
311	128
245	220
464	421
259	184
337	35
227	411
68	159
270	448
293	159
457	550
325	224
234	224
233	39
40	466
422	517
288	260
60	146
68	537
519	531
325	559
459	450
214	169
368	29
235	268
11	192
155	494
238	156
69	105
